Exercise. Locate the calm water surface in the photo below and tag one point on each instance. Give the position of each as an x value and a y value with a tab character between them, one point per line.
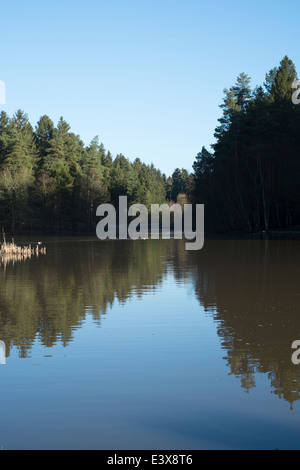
143	345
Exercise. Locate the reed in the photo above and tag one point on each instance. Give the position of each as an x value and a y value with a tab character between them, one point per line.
12	252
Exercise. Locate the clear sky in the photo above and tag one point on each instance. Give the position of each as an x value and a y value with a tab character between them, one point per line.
147	76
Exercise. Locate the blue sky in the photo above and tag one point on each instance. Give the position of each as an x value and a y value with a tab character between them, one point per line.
146	76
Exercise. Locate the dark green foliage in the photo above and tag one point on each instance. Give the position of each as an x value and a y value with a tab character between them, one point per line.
50	181
251	180
180	183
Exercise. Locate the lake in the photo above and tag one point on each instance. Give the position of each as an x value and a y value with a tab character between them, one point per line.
144	345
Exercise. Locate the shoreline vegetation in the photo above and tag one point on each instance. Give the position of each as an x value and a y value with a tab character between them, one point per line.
10	252
52	183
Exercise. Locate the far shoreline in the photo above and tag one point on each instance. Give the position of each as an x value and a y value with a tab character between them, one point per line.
209	235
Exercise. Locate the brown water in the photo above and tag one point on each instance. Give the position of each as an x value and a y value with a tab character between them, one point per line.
143	345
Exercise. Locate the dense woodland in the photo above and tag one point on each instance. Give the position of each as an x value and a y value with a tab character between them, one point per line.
51	181
249	181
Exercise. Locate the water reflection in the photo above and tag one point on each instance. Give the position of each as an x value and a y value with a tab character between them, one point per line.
249	287
254	286
49	297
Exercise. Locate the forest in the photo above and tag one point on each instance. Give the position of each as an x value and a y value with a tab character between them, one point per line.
249	180
50	181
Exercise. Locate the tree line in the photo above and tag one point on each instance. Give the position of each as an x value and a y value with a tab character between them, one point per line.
250	181
51	181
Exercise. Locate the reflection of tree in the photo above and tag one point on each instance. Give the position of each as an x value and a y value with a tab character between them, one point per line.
254	287
49	297
250	288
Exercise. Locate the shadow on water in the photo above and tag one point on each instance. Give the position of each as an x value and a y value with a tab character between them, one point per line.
250	287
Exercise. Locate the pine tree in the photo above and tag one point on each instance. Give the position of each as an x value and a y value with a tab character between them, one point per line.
18	165
283	80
